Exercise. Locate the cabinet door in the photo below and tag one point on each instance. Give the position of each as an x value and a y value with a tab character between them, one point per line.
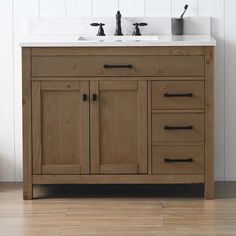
60	118
118	113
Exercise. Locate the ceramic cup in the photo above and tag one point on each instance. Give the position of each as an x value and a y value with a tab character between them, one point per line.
177	26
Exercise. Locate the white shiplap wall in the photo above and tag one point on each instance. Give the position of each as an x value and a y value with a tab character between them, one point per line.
13	15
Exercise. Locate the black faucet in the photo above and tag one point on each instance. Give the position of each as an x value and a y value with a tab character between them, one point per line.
118	24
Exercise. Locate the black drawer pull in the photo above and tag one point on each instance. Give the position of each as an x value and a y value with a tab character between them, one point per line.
168	160
178	127
118	66
178	95
94	97
85	97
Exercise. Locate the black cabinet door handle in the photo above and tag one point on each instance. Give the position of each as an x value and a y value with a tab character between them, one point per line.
94	97
188	160
178	95
85	97
118	66
178	127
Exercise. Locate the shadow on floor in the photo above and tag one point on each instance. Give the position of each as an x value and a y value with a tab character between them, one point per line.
118	191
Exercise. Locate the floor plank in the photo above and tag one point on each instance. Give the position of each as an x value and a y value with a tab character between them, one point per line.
118	210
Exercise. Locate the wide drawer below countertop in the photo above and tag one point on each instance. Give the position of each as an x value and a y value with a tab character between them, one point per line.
138	66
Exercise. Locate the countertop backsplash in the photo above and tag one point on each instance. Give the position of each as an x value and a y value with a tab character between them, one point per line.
81	25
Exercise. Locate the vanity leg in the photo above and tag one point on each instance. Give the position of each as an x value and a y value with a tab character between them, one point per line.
209	123
27	191
27	142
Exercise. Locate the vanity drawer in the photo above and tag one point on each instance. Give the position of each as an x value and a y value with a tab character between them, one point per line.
177	95
176	127
117	66
178	159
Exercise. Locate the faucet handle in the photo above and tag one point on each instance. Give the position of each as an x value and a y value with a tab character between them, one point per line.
142	24
97	24
100	29
137	30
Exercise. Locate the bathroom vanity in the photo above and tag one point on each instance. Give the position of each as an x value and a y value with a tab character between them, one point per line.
118	114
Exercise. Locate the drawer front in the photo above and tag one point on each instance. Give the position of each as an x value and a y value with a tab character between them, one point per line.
117	66
177	95
178	160
178	127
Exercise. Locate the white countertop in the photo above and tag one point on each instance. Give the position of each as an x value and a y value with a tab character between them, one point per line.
163	40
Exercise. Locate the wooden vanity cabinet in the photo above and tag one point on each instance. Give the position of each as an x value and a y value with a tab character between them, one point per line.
118	115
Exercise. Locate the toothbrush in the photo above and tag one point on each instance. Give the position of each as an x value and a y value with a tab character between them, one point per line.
185	9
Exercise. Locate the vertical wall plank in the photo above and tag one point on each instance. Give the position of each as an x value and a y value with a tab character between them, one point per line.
52	8
230	90
157	8
22	9
217	12
7	172
178	7
105	8
131	7
79	8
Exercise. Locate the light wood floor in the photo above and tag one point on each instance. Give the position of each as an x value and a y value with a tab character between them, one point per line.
118	210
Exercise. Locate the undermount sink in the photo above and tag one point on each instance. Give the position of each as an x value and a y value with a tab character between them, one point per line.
111	38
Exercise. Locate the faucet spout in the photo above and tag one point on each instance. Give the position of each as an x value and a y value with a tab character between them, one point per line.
118	24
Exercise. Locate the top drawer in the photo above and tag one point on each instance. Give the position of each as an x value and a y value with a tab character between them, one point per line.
177	95
117	66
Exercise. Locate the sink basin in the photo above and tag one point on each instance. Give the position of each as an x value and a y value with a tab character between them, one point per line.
117	38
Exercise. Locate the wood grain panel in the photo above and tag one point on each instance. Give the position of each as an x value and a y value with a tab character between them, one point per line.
178	95
95	129
118	85
141	66
209	124
149	127
187	143
119	168
119	127
36	128
159	133
118	179
60	128
27	125
142	128
56	85
125	78
178	111
119	51
61	169
160	153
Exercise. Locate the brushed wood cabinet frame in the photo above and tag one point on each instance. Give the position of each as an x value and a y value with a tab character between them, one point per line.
31	85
